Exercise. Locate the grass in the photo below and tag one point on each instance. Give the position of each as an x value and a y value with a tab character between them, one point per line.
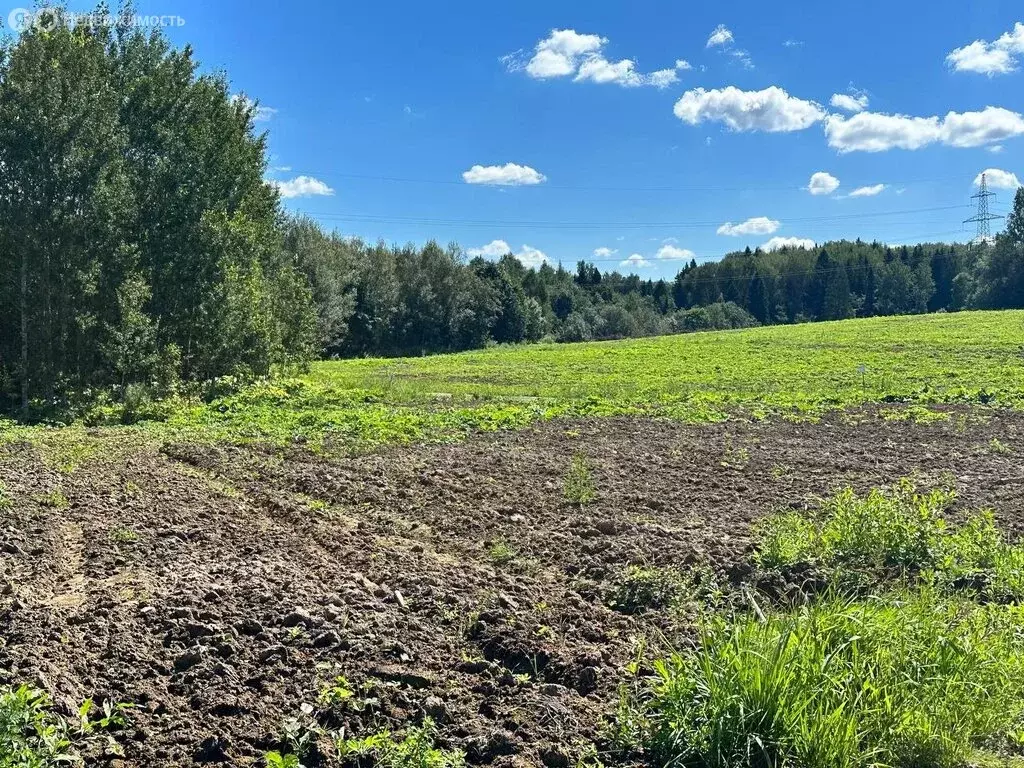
911	680
897	529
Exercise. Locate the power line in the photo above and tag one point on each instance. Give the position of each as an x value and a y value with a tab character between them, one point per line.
496	224
602	188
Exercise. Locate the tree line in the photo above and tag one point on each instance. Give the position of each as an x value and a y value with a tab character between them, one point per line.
141	249
388	300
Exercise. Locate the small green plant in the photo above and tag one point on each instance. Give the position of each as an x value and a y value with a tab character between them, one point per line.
646	588
55	499
734	456
277	760
5	499
32	735
415	750
500	553
997	446
123	535
579	485
338	693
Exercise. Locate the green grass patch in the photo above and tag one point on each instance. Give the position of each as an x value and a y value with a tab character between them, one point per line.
798	372
913	680
897	530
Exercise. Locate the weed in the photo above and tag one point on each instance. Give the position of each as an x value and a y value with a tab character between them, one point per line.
733	456
579	482
54	499
5	499
997	446
500	553
415	750
897	529
338	693
32	735
123	535
912	680
646	588
277	760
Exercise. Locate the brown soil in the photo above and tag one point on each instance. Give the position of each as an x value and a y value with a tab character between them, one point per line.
220	588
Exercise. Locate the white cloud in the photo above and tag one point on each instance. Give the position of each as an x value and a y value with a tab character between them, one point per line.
260	114
792	43
302	186
996	58
636	261
719	36
998	179
604	253
788	242
566	52
759	225
875	132
869	191
771	110
530	257
743	57
672	253
506	175
975	129
682	64
995	149
856	101
493	250
822	183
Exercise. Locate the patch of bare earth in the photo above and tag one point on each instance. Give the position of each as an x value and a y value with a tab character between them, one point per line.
219	588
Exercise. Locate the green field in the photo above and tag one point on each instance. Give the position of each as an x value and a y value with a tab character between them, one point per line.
792	371
782	371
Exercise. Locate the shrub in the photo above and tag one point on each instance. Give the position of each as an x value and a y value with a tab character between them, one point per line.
909	681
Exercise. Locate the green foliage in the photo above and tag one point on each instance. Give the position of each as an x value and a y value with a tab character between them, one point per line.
32	735
416	749
897	529
278	760
139	243
647	588
500	553
911	680
5	499
578	485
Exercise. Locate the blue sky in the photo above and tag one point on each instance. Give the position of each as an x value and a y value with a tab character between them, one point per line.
388	105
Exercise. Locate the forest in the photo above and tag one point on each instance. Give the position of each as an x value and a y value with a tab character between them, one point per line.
142	249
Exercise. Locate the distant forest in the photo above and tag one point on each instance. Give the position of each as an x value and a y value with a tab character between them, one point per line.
142	252
383	300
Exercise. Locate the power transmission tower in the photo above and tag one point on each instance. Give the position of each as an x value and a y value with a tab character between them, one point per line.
983	217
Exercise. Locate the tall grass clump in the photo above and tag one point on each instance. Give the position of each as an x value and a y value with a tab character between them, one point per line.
913	680
901	530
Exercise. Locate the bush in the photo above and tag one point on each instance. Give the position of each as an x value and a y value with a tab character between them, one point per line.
910	681
720	316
